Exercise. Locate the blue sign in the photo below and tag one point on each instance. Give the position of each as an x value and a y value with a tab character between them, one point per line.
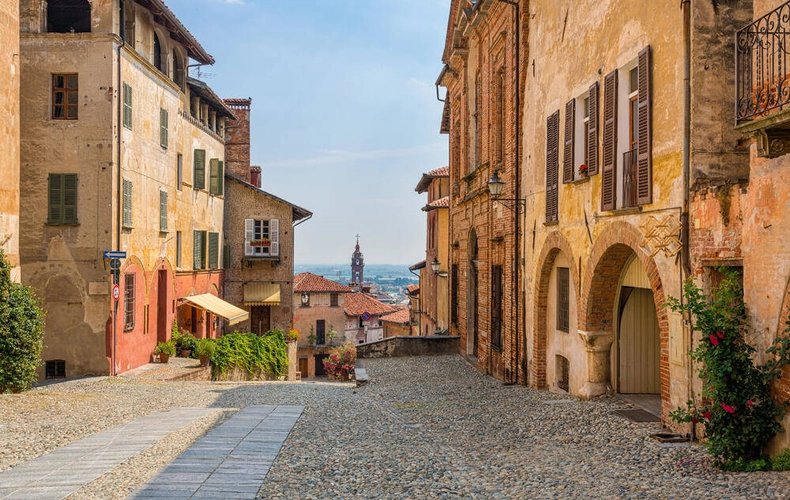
110	254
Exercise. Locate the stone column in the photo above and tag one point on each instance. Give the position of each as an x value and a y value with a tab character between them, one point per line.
598	346
293	362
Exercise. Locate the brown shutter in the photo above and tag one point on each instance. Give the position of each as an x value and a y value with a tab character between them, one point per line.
567	157
644	165
608	192
592	131
552	165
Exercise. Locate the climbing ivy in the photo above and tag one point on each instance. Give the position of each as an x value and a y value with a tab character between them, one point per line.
261	357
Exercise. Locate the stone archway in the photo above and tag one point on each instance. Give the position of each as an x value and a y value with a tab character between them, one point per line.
611	252
554	245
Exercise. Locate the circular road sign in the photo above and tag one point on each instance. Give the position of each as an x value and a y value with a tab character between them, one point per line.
115	263
116	292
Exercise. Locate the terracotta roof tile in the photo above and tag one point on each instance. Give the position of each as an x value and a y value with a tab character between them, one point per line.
357	304
426	179
412	288
440	203
309	282
401	316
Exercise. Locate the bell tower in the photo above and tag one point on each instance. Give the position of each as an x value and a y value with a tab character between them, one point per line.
357	266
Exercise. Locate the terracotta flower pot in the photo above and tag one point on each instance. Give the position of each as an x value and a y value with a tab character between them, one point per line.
204	360
164	358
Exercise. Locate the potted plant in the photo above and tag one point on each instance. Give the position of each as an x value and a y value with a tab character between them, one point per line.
165	350
293	335
312	338
261	242
331	334
584	170
185	344
204	349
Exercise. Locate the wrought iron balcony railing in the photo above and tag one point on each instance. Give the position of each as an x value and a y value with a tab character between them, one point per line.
629	179
761	66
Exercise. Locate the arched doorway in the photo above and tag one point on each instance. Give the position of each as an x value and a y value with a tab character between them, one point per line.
471	299
637	356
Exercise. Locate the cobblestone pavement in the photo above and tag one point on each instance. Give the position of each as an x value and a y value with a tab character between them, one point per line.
429	427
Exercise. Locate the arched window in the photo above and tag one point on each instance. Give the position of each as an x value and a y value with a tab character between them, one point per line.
68	16
158	54
178	70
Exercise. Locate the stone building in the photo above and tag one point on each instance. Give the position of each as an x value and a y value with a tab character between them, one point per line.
397	324
739	209
318	310
434	273
121	151
363	317
485	51
9	134
413	292
259	236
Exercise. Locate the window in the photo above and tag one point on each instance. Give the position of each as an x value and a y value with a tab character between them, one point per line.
178	249
127	106
333	299
552	166
627	183
199	249
163	127
199	180
476	118
213	250
216	177
62	207
581	135
320	331
261	238
128	301
65	97
563	299
454	294
163	211
496	306
158	54
68	16
179	171
178	70
562	372
127	203
56	368
500	108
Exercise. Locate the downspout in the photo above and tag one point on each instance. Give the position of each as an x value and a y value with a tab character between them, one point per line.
119	194
684	217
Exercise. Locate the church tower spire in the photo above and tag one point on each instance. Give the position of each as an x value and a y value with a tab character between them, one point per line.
357	266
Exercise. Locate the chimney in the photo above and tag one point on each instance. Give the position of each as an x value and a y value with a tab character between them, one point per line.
255	176
237	139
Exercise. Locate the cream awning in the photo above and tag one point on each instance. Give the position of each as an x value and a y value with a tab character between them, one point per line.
261	294
218	306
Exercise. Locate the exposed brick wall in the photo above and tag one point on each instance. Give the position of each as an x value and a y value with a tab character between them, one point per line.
237	141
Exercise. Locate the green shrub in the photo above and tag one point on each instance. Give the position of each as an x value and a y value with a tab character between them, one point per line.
263	356
21	333
781	461
205	347
168	348
340	362
184	341
736	407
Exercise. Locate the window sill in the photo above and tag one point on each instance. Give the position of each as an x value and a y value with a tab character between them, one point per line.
261	257
581	180
62	223
552	223
622	211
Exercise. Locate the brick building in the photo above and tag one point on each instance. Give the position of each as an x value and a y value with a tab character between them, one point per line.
121	150
9	134
396	324
484	52
363	317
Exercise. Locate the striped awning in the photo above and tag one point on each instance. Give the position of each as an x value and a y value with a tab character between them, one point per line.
218	306
261	294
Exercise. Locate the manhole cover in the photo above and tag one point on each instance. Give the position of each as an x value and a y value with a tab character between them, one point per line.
637	415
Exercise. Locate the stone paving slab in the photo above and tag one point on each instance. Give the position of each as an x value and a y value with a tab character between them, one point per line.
231	461
65	470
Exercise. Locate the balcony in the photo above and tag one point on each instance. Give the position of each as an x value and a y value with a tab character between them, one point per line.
762	82
629	179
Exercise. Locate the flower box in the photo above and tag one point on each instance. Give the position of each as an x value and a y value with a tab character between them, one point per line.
265	242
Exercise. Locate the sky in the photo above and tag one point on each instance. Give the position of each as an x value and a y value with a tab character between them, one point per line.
345	118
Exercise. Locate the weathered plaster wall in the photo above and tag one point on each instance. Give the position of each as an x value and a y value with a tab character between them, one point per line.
9	134
305	317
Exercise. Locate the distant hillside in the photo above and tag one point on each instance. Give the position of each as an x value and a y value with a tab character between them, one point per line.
342	272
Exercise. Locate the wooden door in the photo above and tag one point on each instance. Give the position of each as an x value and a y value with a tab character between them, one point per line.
162	306
303	367
260	319
638	368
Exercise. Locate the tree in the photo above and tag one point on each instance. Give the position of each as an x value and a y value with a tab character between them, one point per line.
21	333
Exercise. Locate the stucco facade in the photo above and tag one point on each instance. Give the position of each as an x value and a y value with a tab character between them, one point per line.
115	136
9	134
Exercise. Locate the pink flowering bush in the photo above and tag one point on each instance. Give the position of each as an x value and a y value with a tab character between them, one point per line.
340	362
735	405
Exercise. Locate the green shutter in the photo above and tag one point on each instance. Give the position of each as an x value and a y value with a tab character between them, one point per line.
127	106
127	203
213	250
213	176
55	199
163	211
62	194
221	177
226	256
197	247
163	127
199	181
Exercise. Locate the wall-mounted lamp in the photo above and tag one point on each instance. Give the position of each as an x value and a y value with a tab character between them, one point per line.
496	186
435	266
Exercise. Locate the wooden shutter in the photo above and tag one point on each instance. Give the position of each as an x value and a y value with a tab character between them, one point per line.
56	199
213	177
127	106
568	153
249	235
197	250
127	203
608	191
70	198
163	211
592	131
274	231
644	164
163	127
199	180
552	165
220	178
213	250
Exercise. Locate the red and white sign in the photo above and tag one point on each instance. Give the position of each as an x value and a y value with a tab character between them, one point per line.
116	292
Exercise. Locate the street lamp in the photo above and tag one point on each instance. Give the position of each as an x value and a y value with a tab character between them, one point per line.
496	186
435	266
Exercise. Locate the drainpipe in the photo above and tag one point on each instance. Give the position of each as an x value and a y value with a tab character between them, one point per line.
684	217
516	194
